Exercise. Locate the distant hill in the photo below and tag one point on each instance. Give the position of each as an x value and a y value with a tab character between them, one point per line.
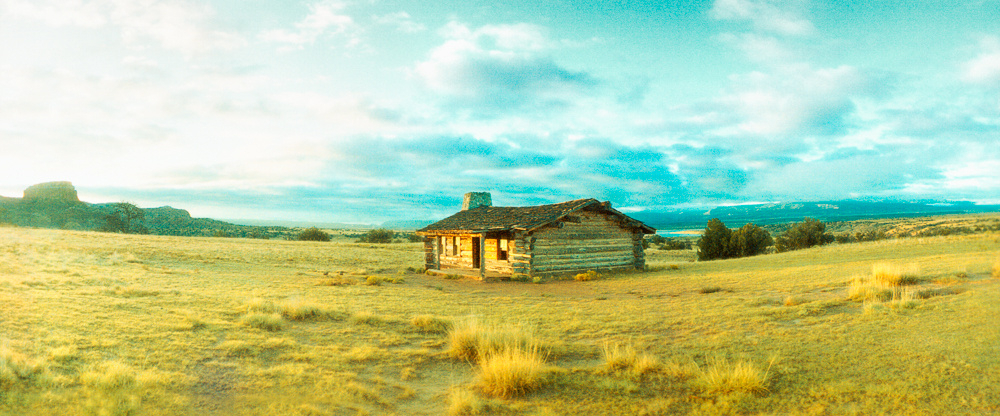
828	211
55	205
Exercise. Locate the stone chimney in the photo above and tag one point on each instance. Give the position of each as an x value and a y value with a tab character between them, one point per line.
475	200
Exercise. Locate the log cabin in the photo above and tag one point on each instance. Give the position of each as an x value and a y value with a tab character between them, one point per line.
546	240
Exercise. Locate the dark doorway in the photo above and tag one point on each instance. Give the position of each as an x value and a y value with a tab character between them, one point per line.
476	253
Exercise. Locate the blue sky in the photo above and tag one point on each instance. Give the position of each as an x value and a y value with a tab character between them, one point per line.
364	111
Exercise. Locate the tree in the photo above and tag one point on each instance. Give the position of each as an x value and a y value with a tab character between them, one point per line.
126	218
379	235
749	240
313	234
714	243
810	232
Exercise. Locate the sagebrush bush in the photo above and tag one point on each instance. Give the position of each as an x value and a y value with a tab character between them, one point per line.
587	276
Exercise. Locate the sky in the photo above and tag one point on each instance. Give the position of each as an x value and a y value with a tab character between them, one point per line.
373	110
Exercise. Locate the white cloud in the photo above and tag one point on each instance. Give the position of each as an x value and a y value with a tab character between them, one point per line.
984	69
500	67
56	12
325	18
798	99
783	17
176	25
761	49
401	21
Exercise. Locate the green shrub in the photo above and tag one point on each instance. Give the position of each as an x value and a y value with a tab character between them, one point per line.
314	234
378	236
719	242
808	233
714	242
675	244
749	240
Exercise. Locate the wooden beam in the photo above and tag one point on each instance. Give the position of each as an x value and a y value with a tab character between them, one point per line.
482	257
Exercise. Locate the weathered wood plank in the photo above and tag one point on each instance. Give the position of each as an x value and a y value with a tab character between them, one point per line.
548	251
584	262
587	242
575	267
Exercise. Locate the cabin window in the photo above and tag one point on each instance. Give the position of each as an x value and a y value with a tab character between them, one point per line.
502	249
456	246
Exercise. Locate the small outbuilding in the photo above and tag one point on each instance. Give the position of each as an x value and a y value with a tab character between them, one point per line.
544	240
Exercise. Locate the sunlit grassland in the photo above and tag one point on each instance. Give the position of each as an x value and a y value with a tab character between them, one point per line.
144	325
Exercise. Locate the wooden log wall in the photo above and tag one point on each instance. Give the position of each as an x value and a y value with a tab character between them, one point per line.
597	241
463	258
431	252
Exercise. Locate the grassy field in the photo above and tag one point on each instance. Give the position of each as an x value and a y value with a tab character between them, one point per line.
103	324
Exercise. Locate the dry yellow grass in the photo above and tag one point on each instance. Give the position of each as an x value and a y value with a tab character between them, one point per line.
146	325
470	339
618	357
723	376
511	371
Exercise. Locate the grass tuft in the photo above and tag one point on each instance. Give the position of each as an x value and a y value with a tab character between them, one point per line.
265	321
724	377
298	309
338	280
471	340
110	375
16	369
889	274
238	348
261	305
511	372
587	276
709	289
794	301
462	402
431	324
995	270
619	357
883	284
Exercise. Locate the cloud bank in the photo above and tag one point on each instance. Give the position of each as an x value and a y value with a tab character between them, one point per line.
364	112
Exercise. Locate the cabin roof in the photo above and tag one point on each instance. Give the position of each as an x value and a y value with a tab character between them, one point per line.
485	218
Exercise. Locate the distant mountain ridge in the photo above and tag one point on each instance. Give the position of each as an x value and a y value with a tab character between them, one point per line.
56	205
828	211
